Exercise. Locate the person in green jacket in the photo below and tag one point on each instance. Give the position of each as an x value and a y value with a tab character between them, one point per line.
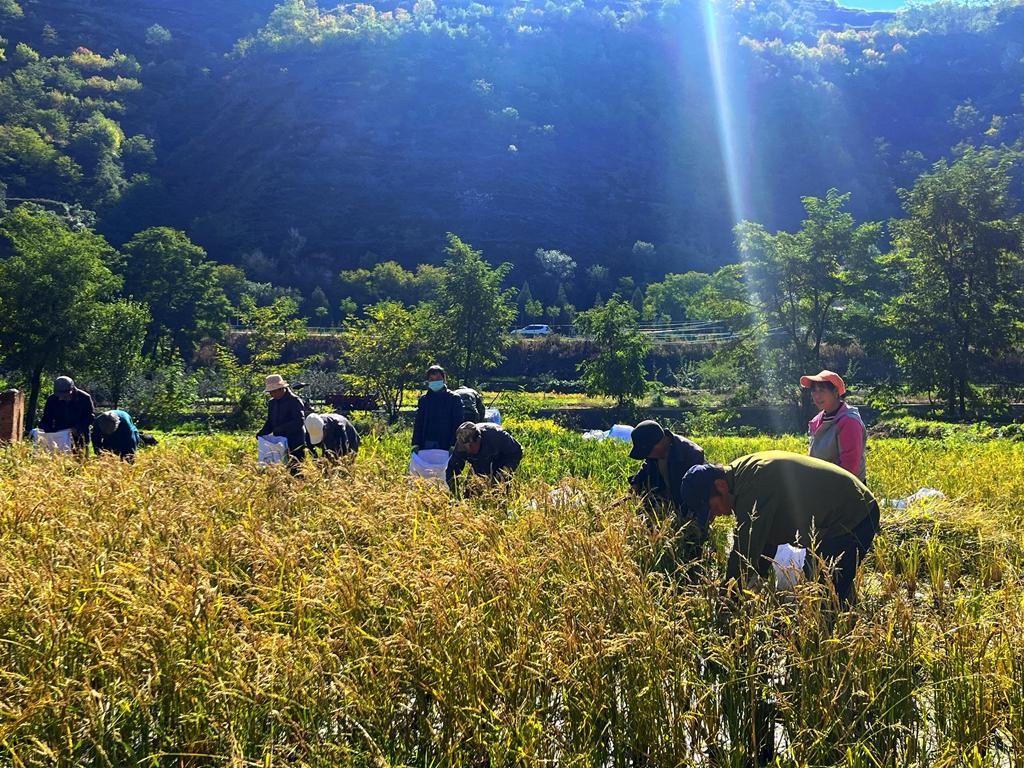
784	498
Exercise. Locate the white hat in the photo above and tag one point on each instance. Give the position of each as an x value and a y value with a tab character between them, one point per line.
315	429
275	381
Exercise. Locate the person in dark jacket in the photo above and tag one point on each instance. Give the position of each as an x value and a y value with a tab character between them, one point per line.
666	456
488	449
68	408
439	413
472	404
285	417
114	431
784	498
333	434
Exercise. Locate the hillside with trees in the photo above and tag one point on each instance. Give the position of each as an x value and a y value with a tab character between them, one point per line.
777	167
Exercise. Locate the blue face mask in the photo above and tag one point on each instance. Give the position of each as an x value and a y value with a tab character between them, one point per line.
435	386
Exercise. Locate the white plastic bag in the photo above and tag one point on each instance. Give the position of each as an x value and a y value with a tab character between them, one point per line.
922	493
429	464
789	566
492	415
595	434
272	450
53	442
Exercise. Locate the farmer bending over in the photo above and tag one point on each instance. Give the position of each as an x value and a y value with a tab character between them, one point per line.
333	434
666	456
490	450
114	431
784	498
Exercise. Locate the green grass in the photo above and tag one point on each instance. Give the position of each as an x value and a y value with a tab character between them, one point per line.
194	609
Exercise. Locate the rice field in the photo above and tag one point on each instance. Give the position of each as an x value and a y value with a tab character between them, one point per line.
193	609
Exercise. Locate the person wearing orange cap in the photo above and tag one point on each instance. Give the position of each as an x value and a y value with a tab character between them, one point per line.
837	433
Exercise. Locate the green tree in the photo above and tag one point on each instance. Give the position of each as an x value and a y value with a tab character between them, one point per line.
477	311
799	279
172	275
111	353
52	280
523	298
958	257
387	350
319	306
670	300
389	281
269	330
617	370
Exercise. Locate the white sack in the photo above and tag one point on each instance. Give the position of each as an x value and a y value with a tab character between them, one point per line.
272	450
53	442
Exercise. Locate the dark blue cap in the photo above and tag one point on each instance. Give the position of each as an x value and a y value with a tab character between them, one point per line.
645	436
697	488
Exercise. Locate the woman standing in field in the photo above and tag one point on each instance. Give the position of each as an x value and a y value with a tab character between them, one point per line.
837	433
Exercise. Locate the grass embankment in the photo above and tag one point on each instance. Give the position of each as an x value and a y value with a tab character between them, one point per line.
192	609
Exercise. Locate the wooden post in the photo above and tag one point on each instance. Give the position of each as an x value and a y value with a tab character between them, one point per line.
12	416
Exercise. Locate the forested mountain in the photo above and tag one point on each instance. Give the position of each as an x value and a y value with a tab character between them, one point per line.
297	141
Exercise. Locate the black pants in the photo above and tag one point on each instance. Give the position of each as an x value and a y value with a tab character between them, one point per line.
845	553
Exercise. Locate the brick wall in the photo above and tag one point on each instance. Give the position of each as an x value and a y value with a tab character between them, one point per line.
12	416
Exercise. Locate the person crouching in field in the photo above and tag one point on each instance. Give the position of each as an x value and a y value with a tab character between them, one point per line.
490	450
69	408
333	434
667	456
285	418
473	408
115	432
784	498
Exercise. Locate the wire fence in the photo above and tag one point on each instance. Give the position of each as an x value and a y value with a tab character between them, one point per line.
681	333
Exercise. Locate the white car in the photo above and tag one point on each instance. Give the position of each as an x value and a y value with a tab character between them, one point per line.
533	330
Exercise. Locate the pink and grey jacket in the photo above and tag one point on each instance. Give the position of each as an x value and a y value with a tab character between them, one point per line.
840	438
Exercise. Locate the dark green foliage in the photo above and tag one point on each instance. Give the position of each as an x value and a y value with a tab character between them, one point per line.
52	282
801	279
111	353
958	260
476	312
170	273
617	369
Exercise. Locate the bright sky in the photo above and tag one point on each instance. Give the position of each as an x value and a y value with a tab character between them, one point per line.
874	5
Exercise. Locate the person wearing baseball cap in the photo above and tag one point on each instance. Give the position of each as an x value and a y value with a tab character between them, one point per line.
784	498
331	433
285	417
837	432
490	450
68	408
666	456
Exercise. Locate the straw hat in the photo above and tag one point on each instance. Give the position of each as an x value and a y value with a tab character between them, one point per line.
275	381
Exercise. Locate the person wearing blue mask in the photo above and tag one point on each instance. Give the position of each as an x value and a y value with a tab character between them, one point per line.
439	413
